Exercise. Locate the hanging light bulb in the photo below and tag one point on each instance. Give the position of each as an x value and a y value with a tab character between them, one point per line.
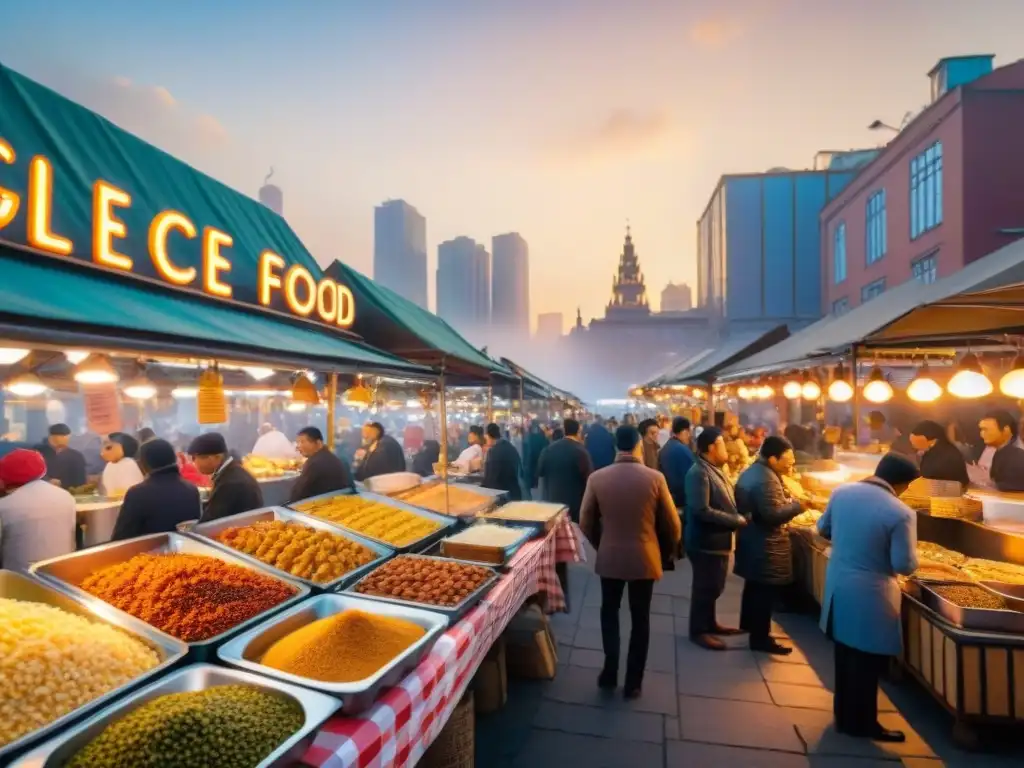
294	407
140	389
12	355
877	390
96	369
840	390
969	382
1012	383
257	372
184	393
924	389
26	385
811	389
792	389
75	356
765	392
744	393
698	393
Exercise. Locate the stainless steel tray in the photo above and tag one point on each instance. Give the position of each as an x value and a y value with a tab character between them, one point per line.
526	534
489	499
16	586
416	546
453	612
985	619
246	650
68	571
198	677
208	531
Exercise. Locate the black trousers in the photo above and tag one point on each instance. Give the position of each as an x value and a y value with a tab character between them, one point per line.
756	611
562	571
640	593
709	575
855	703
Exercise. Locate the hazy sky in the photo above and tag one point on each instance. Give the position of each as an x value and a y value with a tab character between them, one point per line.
559	119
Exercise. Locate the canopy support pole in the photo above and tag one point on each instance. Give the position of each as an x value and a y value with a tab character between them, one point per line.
522	406
490	400
332	400
856	395
711	400
443	409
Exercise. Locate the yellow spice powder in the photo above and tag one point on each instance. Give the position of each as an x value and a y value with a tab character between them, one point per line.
343	648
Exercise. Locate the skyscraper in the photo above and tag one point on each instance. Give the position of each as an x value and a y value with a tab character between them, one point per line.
676	298
400	250
464	284
550	326
510	283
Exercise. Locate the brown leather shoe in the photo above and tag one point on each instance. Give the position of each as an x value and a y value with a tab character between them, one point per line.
709	642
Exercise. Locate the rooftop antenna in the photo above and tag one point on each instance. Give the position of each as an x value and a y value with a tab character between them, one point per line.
267	179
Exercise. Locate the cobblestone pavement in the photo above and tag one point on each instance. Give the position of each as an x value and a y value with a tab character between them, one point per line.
701	708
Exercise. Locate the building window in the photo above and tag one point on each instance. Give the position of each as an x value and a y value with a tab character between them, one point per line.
839	253
869	291
926	191
840	306
926	269
875	221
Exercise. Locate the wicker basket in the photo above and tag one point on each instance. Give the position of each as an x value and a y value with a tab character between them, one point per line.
455	746
961	507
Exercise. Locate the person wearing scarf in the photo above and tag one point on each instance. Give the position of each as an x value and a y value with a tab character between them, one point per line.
37	518
162	500
122	471
874	539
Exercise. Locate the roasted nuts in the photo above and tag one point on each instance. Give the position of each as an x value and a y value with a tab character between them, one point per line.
424	580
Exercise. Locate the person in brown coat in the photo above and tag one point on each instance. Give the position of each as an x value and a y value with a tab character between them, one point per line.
628	515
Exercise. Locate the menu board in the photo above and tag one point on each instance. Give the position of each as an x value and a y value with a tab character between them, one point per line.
102	408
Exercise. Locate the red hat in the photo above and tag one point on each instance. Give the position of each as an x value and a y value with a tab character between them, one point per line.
21	466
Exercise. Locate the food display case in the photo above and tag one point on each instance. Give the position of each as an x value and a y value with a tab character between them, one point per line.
315	707
69	571
246	650
209	532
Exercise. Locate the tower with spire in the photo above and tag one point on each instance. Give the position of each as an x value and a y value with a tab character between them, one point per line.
629	293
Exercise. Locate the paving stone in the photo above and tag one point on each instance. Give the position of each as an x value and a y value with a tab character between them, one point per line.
687	754
671	727
661	604
597	721
810	697
578	685
737	724
681	609
818	733
794	674
661	655
554	749
660	622
692	656
677	586
731	684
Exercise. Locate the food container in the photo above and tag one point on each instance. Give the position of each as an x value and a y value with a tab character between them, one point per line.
986	619
15	586
207	532
484	555
198	677
245	651
68	571
489	499
416	546
541	516
186	526
453	612
394	482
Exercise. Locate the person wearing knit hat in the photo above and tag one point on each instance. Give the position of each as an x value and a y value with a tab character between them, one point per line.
162	500
234	489
874	538
121	471
37	519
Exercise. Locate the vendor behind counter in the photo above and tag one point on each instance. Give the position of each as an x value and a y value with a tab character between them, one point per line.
940	459
1001	461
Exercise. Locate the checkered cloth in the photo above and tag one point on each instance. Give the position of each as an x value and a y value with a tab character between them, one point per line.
406	719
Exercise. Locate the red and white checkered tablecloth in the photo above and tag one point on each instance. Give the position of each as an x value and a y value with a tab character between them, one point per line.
405	720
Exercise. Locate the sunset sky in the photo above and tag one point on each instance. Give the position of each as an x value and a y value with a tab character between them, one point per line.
559	119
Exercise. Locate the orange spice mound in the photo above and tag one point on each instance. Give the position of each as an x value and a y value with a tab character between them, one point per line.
191	597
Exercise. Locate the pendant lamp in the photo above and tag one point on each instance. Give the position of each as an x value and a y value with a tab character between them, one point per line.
840	390
811	389
1012	383
75	356
258	372
924	389
792	389
303	391
140	388
26	385
969	382
877	390
96	369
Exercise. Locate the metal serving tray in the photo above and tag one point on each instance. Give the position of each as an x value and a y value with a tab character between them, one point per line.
526	534
207	532
984	619
489	499
453	612
68	571
16	586
246	650
198	677
416	546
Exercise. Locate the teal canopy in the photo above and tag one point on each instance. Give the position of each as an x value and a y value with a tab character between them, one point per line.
533	386
44	301
393	323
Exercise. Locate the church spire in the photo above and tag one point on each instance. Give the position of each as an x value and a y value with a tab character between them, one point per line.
628	289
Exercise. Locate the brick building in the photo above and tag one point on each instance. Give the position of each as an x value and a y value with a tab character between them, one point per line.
944	192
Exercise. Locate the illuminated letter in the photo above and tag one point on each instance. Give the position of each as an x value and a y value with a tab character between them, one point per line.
159	229
105	226
214	263
346	307
40	198
327	300
294	275
267	277
9	201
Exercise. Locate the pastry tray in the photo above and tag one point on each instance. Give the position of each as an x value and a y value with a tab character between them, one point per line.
316	708
207	532
246	650
540	526
488	499
984	619
467	553
452	612
68	571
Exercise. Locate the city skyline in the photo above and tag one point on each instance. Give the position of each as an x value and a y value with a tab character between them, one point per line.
663	103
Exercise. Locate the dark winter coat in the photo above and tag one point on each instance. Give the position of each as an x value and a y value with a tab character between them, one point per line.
711	515
234	491
763	550
157	505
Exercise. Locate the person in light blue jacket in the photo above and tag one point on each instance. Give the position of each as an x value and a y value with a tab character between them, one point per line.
874	539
